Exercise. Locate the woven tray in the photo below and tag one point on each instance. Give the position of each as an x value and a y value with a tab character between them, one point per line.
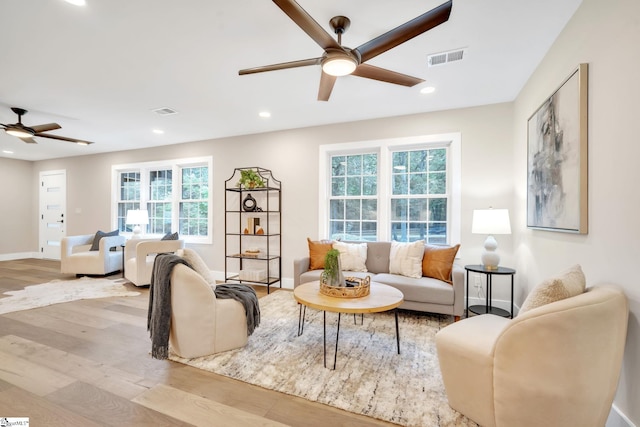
361	290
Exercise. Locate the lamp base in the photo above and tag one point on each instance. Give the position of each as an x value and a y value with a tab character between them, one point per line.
490	258
137	232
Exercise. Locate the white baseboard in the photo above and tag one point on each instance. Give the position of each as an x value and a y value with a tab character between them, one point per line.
20	255
618	419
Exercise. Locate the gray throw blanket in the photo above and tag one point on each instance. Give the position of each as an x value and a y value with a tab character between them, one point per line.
246	295
159	314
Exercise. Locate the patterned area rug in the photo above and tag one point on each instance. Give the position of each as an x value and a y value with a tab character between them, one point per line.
370	377
59	291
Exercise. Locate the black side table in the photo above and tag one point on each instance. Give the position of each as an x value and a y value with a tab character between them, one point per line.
488	308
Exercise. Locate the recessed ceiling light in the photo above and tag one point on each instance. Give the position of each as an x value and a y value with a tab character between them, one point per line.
7	152
264	114
158	131
77	2
428	89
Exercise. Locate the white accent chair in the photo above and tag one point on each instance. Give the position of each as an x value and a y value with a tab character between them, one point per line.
77	258
201	324
139	255
556	365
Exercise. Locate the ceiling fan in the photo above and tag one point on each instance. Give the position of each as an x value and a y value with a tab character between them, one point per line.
26	133
338	60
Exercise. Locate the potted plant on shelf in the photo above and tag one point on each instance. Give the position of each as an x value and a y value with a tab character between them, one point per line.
250	179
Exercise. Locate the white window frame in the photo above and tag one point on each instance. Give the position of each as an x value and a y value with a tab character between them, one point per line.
384	148
176	166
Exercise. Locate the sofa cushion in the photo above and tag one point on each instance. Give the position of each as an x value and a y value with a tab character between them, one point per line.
406	258
437	262
569	283
378	257
317	253
95	245
424	289
353	256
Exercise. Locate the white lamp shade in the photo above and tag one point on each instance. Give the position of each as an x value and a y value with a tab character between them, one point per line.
491	221
137	217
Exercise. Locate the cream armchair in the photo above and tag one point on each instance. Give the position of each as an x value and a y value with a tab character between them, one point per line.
77	258
201	324
139	255
556	365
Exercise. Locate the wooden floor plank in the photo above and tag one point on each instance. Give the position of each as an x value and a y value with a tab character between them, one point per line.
30	376
197	410
116	381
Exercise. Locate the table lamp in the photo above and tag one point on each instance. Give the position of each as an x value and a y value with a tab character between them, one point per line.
490	222
137	217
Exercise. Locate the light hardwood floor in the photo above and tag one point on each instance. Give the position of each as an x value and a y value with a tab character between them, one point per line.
87	363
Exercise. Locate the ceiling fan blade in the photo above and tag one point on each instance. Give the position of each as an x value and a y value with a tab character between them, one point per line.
45	128
308	24
63	138
28	140
281	66
405	32
384	75
326	86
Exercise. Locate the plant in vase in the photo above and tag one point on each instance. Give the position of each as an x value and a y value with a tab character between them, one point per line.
250	179
332	274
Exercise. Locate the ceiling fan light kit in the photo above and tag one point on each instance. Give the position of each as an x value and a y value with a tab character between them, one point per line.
338	60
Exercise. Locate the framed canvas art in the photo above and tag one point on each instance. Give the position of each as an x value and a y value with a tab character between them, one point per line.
557	198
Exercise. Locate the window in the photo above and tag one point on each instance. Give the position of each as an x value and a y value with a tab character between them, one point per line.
403	190
175	193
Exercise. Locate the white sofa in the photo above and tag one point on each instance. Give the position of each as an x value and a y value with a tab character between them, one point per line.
555	365
421	294
77	258
139	255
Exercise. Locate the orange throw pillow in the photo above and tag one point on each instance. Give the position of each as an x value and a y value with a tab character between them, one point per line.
437	262
317	253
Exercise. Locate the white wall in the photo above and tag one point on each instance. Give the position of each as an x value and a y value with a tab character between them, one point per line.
604	34
18	208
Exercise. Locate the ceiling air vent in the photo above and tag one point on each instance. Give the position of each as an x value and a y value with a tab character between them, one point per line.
445	57
165	111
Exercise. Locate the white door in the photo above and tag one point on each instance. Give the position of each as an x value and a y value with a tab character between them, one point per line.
53	215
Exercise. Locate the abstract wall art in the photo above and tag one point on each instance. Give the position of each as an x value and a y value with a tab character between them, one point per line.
557	197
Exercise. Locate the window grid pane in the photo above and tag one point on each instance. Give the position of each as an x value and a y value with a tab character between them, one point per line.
129	198
160	201
419	196
353	206
194	206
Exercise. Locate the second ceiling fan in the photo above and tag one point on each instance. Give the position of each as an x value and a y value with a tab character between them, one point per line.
338	60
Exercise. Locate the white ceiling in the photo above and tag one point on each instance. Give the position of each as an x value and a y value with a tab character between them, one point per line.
100	69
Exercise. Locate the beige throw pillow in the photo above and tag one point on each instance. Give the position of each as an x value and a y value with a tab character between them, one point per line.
567	284
353	256
406	258
197	263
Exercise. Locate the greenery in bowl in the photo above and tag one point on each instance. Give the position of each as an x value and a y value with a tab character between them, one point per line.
250	179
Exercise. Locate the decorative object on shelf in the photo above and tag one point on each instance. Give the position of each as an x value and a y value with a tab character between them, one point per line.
137	217
332	274
490	221
249	204
249	178
557	159
253	225
355	288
